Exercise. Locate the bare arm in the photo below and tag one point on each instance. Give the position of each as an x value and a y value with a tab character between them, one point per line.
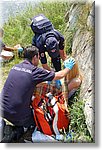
61	74
45	66
62	54
6	48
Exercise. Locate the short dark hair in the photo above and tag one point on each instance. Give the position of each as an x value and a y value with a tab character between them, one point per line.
30	52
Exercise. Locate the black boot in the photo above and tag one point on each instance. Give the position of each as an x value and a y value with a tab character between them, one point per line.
12	134
8	134
19	131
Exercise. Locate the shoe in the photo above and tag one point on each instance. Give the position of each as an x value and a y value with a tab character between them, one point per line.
12	134
8	134
19	131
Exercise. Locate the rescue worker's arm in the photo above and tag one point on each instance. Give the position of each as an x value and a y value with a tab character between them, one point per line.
61	49
34	41
61	74
43	60
45	66
68	64
61	45
62	55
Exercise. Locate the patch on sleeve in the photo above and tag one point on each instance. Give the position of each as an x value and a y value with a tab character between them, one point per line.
42	54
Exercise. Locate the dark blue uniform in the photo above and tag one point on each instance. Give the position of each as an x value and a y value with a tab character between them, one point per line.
18	90
39	42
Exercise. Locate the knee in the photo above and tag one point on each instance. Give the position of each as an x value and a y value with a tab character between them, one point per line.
78	82
75	83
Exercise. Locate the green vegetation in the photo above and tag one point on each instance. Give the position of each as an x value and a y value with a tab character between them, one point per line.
17	31
78	125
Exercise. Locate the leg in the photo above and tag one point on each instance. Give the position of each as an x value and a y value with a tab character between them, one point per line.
13	132
27	122
74	85
57	63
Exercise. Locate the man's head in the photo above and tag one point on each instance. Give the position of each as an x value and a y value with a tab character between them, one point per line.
1	32
31	53
52	46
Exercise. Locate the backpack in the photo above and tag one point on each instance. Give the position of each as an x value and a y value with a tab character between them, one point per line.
39	39
50	112
43	29
40	24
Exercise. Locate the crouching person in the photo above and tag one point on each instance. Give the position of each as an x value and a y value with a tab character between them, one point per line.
18	90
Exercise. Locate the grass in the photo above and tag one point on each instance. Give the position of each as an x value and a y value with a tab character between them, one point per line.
17	31
78	126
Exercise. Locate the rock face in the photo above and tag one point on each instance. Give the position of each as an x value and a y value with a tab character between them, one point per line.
83	51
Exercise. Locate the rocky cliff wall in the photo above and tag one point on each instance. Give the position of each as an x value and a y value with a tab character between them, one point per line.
81	25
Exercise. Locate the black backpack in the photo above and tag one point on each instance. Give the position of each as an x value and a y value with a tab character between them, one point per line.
40	24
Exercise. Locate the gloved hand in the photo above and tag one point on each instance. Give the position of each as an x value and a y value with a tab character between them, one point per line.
20	49
69	63
58	84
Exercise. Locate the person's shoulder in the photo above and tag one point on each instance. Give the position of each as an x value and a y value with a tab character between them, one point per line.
58	33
